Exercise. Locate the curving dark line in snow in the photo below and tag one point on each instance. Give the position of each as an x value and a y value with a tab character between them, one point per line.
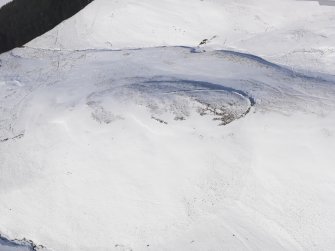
205	86
289	72
15	137
199	86
266	63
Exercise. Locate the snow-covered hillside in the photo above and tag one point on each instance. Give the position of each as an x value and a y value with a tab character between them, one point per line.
166	147
296	33
118	150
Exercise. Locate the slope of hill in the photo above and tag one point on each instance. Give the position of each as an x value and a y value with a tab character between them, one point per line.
171	147
123	150
289	32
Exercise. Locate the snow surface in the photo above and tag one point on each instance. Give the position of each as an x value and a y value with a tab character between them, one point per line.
299	34
171	148
92	169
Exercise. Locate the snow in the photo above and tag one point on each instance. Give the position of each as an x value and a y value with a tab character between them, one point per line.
299	34
158	146
94	170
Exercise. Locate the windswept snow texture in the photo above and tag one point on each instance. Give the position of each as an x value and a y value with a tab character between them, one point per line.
298	34
165	149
